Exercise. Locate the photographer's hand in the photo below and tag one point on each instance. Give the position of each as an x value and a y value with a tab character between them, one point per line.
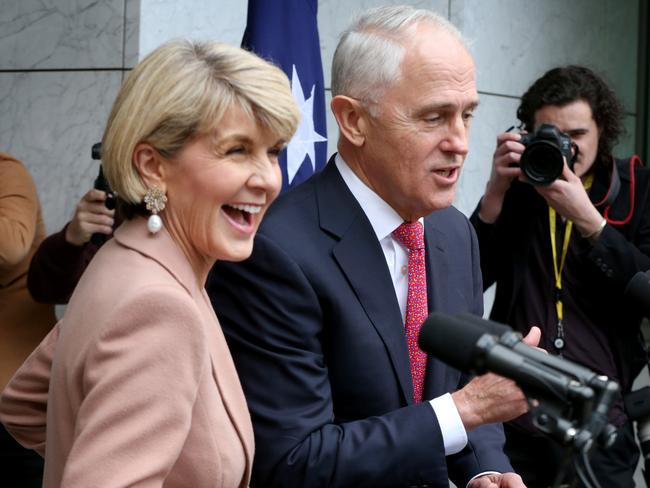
569	198
91	216
504	169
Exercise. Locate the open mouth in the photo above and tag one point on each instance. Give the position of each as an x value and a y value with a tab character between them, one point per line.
241	215
446	173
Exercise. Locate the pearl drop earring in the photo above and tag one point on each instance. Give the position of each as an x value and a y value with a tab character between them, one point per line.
155	200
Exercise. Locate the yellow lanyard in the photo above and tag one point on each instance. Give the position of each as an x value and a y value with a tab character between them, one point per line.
559	339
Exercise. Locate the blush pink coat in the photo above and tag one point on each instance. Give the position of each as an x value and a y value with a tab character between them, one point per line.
142	387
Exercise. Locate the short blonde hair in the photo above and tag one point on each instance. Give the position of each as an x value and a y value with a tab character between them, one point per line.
182	90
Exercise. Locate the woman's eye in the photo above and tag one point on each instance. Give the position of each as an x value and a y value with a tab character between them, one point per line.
235	150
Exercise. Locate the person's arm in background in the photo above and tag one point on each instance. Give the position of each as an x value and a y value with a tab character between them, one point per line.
23	403
619	251
505	170
62	258
18	214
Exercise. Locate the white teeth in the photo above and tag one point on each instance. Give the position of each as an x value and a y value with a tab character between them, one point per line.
253	209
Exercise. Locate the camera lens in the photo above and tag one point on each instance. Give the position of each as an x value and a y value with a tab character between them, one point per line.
541	162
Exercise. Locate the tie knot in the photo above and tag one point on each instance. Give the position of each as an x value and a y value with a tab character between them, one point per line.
410	234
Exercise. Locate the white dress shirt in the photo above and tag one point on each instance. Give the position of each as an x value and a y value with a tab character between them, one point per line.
384	220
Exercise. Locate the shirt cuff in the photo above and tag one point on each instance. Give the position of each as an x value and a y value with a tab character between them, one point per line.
453	432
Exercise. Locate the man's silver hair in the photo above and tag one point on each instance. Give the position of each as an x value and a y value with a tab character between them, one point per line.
369	55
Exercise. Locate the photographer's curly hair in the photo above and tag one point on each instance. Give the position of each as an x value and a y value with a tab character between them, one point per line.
564	85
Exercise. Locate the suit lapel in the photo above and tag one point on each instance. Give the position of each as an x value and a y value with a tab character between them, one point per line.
362	261
227	381
437	286
437	266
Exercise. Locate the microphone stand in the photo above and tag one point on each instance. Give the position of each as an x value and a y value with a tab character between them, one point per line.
580	434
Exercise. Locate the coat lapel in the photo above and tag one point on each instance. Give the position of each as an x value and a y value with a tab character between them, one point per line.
361	259
437	375
162	248
227	380
437	267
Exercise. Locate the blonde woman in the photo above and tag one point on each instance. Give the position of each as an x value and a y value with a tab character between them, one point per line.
142	387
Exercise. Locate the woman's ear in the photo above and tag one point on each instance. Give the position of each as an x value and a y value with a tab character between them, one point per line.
351	119
149	164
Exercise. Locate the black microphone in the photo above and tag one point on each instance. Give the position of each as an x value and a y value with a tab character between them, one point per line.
470	348
513	340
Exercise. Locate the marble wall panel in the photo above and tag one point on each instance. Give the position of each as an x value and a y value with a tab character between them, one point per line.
515	41
54	34
161	20
336	15
50	121
132	33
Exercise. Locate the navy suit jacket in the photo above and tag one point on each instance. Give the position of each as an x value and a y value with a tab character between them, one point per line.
317	336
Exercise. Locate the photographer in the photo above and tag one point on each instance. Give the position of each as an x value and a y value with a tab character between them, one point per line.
562	252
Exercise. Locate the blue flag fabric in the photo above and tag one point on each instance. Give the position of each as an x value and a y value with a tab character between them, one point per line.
286	33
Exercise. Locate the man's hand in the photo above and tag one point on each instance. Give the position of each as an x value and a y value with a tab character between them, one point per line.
569	198
504	169
90	216
491	398
505	480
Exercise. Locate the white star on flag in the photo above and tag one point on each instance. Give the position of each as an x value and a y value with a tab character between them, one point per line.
303	142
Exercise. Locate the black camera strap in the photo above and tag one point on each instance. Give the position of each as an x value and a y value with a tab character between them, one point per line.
615	186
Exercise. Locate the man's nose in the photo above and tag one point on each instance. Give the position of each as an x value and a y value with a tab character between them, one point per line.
457	138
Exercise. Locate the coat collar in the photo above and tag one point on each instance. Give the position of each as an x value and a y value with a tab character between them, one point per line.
161	248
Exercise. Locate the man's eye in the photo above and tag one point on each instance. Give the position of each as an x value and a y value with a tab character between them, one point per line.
468	115
432	119
275	151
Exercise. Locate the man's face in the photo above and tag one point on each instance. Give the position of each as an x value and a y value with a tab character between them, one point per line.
576	119
416	145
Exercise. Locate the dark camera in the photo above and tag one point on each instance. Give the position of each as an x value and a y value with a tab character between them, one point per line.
101	183
542	160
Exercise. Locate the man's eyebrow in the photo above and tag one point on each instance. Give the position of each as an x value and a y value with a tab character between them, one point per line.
445	107
577	131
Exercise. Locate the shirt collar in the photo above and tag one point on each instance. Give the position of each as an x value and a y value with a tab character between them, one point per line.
383	218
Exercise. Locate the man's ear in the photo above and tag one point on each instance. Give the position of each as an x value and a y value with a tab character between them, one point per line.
149	164
351	118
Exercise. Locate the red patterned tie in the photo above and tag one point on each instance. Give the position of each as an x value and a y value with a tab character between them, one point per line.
411	235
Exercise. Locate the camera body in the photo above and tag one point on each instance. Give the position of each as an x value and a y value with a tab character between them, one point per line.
542	161
101	183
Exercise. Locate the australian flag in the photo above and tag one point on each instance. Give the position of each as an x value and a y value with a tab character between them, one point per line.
286	33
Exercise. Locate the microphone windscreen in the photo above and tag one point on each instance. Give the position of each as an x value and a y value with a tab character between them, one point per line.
638	291
450	339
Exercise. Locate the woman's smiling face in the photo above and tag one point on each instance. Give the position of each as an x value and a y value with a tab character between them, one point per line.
220	185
